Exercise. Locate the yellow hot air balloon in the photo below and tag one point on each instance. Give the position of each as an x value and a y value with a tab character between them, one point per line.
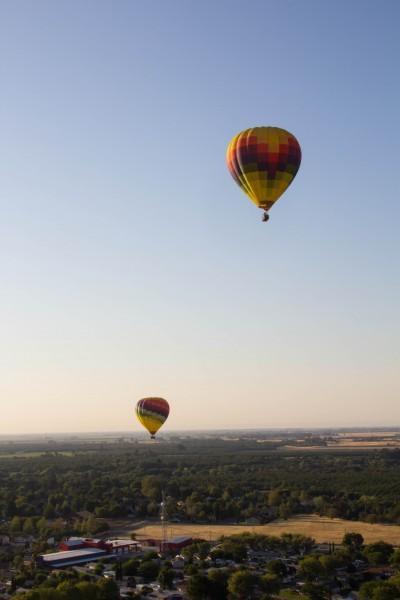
264	161
152	413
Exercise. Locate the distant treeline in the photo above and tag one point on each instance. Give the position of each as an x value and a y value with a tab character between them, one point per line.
205	480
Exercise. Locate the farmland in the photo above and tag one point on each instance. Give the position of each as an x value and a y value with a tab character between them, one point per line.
322	529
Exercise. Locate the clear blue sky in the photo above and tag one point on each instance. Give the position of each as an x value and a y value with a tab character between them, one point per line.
132	264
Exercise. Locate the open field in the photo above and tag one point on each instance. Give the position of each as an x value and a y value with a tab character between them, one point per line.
321	529
374	432
23	454
338	440
339	448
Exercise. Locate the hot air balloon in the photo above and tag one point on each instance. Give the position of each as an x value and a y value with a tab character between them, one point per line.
264	161
152	413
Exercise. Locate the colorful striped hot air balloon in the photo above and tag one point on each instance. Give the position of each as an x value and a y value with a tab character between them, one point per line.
152	413
264	161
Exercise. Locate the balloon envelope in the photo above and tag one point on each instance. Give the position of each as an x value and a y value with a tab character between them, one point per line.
152	413
263	161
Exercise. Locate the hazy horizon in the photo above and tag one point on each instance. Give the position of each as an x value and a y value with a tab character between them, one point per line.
166	432
132	265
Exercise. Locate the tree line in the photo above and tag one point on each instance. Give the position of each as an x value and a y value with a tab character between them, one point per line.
231	483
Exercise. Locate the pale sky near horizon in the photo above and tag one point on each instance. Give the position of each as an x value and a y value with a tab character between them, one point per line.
132	265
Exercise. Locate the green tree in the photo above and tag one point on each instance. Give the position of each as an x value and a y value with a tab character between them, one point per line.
49	511
130	567
378	590
395	559
90	525
310	568
314	591
108	590
378	553
165	577
149	570
234	549
151	487
352	540
243	584
395	580
28	527
277	567
15	525
87	590
189	551
284	510
197	587
42	526
331	562
274	497
218	584
203	549
69	591
270	583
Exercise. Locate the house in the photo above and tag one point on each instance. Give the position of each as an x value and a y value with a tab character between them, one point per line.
178	562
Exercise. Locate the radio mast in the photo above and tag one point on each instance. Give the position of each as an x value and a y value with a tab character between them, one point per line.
164	522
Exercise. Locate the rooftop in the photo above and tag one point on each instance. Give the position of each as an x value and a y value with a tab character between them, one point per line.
179	539
72	554
73	542
122	543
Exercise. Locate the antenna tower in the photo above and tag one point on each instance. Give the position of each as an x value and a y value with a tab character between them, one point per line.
164	522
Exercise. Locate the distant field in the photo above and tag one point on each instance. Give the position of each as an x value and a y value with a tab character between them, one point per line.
365	444
23	454
363	434
340	447
321	529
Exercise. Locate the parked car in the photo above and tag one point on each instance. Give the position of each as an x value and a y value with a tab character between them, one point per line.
109	574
